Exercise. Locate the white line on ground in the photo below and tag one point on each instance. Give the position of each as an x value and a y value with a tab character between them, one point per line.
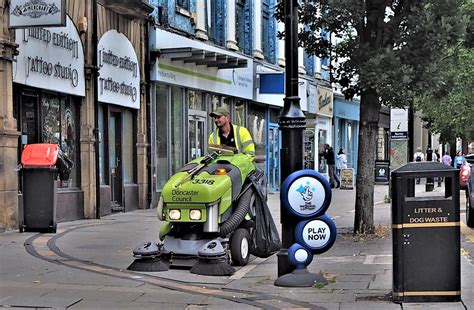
239	274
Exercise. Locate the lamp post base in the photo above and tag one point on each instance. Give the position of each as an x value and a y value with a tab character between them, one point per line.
300	278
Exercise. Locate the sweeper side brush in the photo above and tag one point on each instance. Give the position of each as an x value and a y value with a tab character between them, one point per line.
213	261
148	258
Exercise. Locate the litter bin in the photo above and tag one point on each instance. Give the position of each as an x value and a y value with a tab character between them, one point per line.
426	235
39	187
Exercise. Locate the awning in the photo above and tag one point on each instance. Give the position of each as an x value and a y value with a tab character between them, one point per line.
201	57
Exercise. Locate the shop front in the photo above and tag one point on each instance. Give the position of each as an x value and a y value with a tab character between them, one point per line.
346	128
270	92
189	80
48	89
119	100
323	128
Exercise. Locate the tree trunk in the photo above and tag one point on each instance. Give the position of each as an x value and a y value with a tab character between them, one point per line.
364	204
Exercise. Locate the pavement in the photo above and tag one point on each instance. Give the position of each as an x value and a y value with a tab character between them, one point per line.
83	266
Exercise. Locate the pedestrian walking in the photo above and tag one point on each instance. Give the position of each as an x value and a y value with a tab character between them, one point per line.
418	157
446	160
328	154
459	160
341	162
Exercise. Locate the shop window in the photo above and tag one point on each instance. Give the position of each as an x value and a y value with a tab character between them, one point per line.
195	101
350	144
177	128
51	122
59	119
128	146
274	115
102	172
322	139
256	126
239	116
161	136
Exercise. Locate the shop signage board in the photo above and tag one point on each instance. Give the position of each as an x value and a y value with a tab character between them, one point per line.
37	13
399	124
325	101
238	82
50	58
119	71
347	178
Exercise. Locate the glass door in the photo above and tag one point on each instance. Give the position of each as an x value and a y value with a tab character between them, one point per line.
273	155
115	160
197	134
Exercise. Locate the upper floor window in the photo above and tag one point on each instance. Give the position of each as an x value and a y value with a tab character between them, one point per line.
216	21
266	29
243	25
183	4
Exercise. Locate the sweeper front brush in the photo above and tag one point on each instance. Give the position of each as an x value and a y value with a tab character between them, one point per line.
148	259
213	260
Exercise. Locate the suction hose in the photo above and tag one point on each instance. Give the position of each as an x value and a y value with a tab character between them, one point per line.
239	214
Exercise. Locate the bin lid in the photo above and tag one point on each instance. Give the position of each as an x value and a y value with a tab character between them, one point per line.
421	167
39	155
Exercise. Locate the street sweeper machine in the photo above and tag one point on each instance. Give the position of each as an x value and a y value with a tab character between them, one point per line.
215	215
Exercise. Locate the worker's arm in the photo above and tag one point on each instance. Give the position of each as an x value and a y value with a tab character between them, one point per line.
248	146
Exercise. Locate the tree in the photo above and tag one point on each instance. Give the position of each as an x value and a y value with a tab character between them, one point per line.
385	51
450	107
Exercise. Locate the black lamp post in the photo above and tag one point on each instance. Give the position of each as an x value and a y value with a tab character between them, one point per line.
292	122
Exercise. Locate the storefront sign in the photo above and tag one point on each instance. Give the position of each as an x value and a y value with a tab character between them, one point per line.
304	92
50	58
238	82
119	72
399	124
312	100
347	178
34	13
325	101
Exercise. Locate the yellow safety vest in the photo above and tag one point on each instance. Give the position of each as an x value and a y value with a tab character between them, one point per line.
243	140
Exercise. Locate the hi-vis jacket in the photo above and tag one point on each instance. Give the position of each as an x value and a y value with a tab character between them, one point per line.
243	140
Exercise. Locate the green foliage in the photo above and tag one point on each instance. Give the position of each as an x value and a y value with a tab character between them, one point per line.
390	47
450	107
385	51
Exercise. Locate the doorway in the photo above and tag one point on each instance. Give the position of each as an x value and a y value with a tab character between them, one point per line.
115	160
273	155
196	134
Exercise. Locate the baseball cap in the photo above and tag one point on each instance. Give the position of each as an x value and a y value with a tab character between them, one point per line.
219	112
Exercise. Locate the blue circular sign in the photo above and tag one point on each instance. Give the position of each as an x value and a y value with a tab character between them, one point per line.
306	194
299	256
317	235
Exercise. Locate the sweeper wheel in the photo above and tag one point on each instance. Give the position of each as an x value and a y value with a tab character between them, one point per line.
240	247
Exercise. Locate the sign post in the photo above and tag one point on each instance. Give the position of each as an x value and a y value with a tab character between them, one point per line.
306	195
292	122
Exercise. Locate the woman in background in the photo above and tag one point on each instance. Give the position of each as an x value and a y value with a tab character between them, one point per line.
341	162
